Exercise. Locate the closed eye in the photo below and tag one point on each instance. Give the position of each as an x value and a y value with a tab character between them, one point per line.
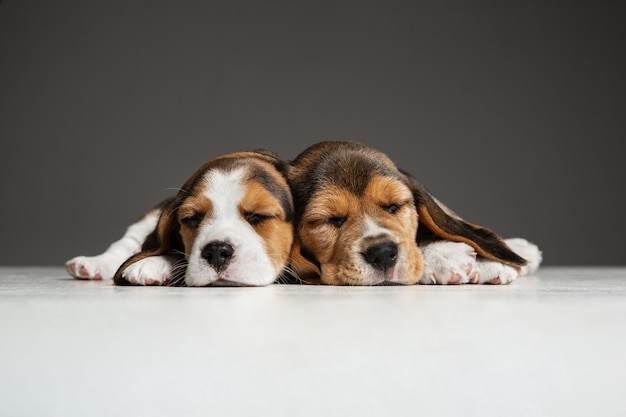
391	208
193	221
256	218
337	221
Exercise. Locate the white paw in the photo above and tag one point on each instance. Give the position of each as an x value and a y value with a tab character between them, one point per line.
94	267
528	251
448	262
153	270
492	272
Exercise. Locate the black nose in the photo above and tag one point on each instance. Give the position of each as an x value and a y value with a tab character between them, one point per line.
218	254
382	256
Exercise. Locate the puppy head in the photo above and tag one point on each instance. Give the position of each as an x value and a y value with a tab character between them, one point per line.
355	217
232	222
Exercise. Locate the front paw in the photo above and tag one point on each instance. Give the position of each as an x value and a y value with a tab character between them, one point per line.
153	270
491	272
92	267
448	262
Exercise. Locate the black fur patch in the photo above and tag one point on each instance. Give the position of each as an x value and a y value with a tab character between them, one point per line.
347	165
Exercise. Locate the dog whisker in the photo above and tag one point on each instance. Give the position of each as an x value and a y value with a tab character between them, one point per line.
177	189
178	273
288	276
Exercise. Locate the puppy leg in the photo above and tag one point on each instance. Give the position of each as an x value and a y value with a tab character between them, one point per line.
490	272
447	262
528	251
153	270
105	265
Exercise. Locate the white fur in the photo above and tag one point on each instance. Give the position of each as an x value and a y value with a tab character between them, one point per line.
528	251
445	259
374	230
149	271
250	263
105	265
492	272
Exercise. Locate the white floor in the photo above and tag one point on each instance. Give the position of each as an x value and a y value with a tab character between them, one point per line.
549	345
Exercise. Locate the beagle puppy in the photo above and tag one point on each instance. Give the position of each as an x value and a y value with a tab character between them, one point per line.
231	223
361	221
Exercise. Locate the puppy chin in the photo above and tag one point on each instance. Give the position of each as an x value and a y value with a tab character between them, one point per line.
200	275
352	274
226	283
235	275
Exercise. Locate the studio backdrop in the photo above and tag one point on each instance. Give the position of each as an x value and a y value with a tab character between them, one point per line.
511	113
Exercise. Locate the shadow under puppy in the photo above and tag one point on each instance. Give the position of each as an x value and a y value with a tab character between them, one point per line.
361	221
231	223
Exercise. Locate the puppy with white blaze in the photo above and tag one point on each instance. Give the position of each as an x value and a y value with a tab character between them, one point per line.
230	224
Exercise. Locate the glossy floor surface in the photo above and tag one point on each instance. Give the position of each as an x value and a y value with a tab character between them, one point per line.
553	344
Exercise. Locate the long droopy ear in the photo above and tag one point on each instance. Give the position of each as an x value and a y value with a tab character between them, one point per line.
443	224
164	239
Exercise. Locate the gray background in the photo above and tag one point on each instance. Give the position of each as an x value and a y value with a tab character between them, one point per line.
511	113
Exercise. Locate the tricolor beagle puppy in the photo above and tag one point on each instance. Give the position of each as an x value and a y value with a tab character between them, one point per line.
361	221
230	224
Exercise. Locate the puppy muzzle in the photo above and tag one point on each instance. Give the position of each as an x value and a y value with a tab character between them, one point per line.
381	256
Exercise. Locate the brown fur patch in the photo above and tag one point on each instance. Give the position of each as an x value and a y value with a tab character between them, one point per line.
275	229
384	191
198	206
338	249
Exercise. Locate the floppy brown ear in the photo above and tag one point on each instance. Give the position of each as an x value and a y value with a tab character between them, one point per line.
304	265
438	222
164	239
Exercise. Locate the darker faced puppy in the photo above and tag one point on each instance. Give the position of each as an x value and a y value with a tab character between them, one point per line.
358	218
230	224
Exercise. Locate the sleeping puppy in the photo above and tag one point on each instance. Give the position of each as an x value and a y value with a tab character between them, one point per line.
230	224
361	221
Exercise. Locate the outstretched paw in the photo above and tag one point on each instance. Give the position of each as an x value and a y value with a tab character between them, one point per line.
448	262
92	267
153	270
491	272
